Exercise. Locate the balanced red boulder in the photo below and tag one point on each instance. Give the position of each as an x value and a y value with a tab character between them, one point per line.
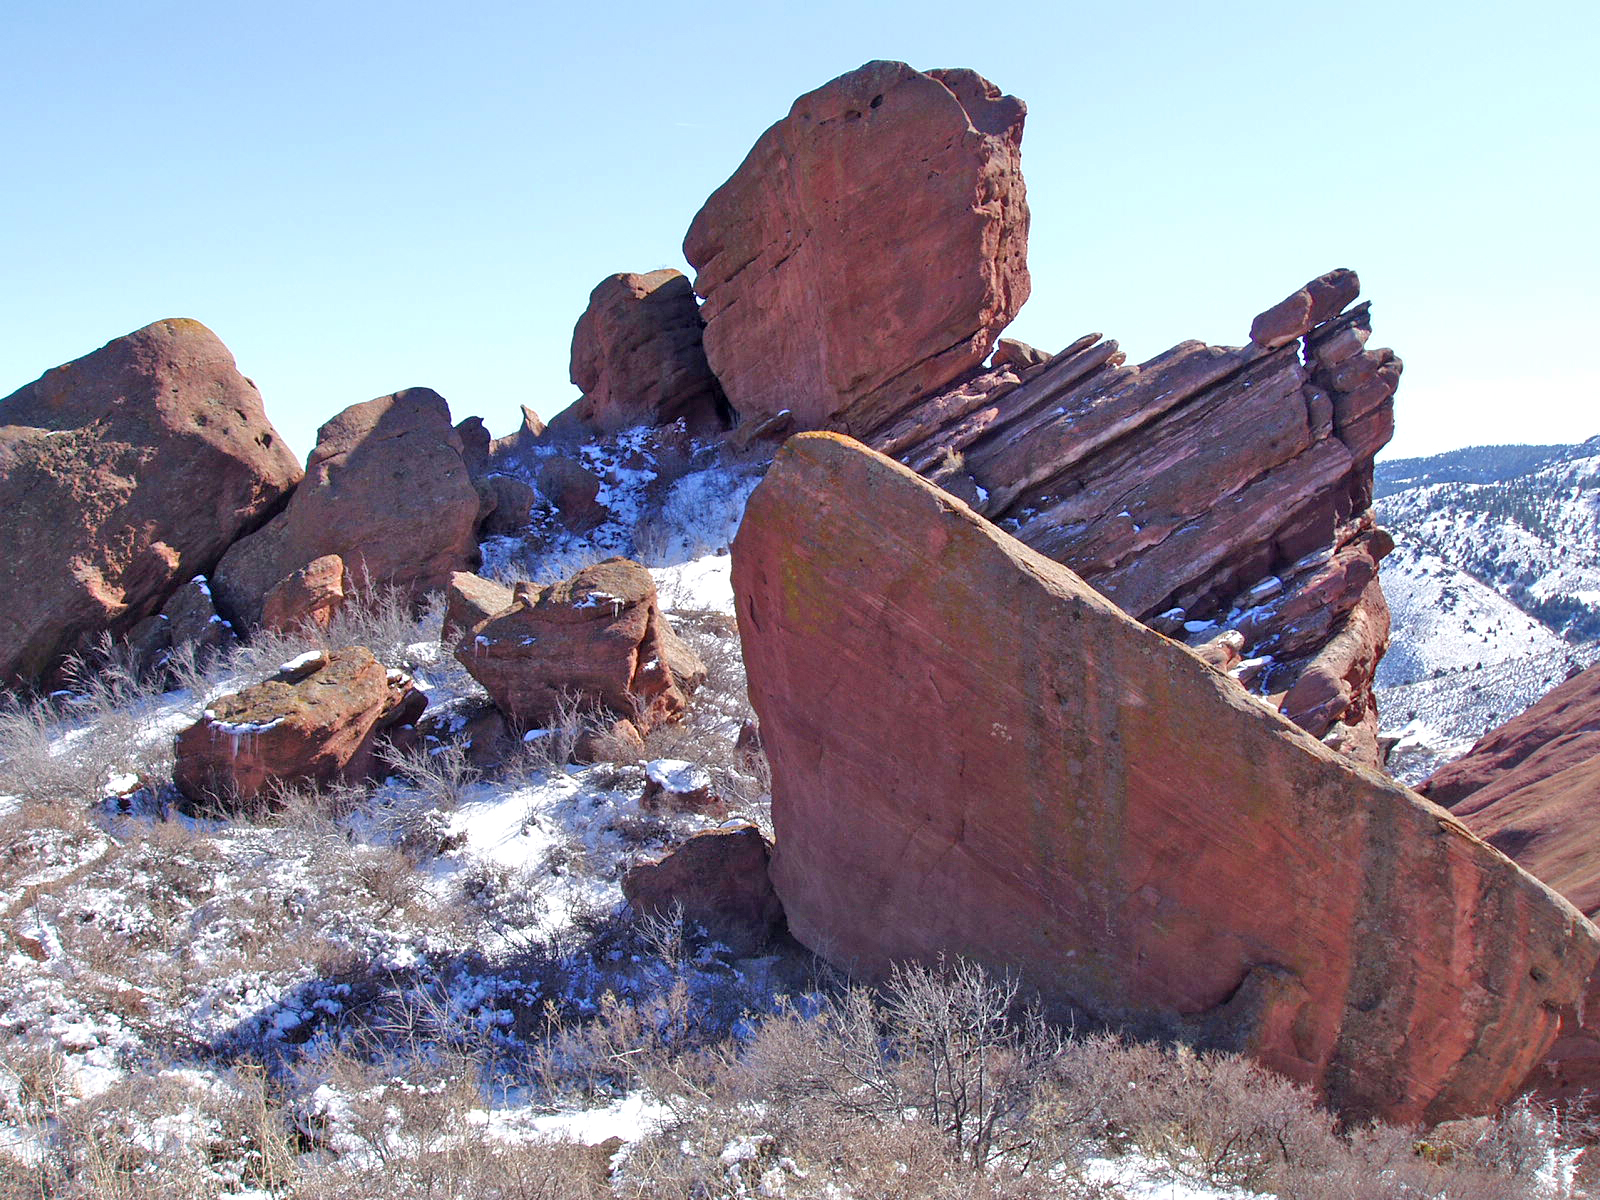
869	249
386	489
637	357
123	474
597	639
973	753
318	720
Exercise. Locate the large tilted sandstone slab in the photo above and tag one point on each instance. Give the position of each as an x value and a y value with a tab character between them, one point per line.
868	250
975	753
1224	487
123	474
386	489
1532	789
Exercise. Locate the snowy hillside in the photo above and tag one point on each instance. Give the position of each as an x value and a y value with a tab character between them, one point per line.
1494	589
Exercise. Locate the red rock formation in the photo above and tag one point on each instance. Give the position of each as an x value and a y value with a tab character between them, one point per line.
317	720
308	598
123	474
597	638
509	502
719	881
868	250
1224	487
1530	789
1099	810
386	489
638	359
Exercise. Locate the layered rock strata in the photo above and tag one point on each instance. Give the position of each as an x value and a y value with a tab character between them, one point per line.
1209	488
1098	810
868	250
386	489
123	474
319	719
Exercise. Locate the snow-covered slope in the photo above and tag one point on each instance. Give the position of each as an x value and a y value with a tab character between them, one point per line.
1493	587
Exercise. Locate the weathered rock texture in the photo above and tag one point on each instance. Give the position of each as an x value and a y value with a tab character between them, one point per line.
310	597
122	474
386	489
637	357
318	720
1532	789
868	250
598	638
187	618
1098	809
1227	488
719	881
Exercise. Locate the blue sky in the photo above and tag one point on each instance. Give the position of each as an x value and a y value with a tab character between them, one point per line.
363	197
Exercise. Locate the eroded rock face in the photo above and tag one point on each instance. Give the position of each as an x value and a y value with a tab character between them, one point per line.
1210	488
1101	811
122	474
1530	788
386	489
598	638
868	250
719	881
638	358
317	720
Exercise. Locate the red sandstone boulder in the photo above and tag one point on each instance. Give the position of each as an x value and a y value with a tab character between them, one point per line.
470	600
573	490
319	719
386	489
1102	813
1323	298
638	359
719	881
309	598
516	445
868	250
598	638
509	501
123	474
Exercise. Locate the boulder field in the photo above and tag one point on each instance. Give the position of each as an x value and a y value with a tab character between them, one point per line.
975	753
123	474
1530	789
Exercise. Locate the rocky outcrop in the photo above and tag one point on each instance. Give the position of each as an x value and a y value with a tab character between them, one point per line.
597	639
516	446
1529	788
868	250
718	880
1559	732
187	619
509	503
386	489
309	598
1125	828
1210	488
318	720
123	474
637	357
